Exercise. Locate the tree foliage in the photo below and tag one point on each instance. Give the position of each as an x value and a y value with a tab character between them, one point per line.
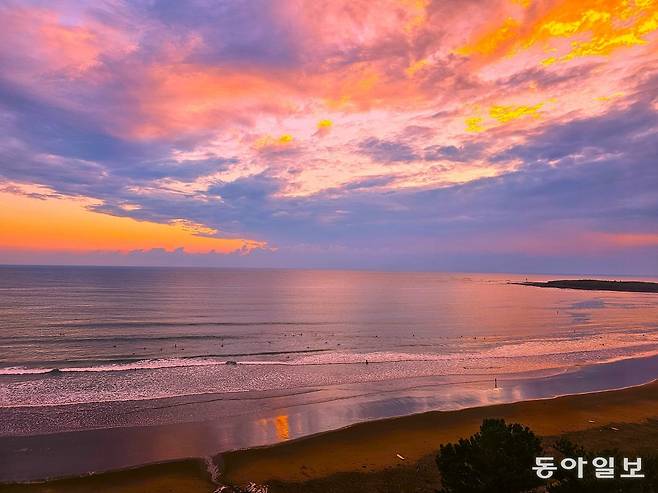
497	459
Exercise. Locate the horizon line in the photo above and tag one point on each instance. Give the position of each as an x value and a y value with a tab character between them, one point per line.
335	269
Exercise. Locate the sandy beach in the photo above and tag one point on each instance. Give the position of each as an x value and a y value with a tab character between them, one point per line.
367	453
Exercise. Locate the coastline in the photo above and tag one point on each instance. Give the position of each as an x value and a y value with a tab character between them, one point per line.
97	438
626	419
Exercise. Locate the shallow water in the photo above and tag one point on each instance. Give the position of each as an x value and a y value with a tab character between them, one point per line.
121	334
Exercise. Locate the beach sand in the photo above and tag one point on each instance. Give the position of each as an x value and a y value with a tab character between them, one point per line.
366	454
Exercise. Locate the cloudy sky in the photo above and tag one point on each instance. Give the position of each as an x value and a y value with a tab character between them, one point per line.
470	135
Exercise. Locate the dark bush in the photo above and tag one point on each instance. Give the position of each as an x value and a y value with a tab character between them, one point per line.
497	459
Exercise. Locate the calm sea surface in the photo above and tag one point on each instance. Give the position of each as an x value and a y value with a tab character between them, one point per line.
119	334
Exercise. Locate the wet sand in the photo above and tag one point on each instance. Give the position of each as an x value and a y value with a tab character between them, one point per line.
367	453
178	477
375	445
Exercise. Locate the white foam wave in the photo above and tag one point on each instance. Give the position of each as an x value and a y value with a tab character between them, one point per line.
148	364
563	346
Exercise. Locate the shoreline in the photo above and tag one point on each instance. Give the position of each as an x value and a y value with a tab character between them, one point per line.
370	449
200	428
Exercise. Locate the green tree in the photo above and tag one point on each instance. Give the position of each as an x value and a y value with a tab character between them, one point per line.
497	459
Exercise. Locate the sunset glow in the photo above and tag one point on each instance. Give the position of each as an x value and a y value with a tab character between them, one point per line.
302	133
54	224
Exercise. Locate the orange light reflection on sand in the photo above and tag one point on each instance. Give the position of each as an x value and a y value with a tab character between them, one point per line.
280	424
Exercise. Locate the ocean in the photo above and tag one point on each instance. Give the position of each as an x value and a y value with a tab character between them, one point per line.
113	334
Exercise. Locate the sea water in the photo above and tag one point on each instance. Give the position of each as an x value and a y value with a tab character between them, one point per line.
74	335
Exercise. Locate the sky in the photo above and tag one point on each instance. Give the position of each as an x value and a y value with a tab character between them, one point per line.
502	135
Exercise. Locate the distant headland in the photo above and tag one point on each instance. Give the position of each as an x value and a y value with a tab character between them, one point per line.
596	285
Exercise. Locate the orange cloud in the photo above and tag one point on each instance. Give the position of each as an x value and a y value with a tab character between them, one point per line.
591	27
624	240
181	97
174	98
67	225
493	40
571	241
56	45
